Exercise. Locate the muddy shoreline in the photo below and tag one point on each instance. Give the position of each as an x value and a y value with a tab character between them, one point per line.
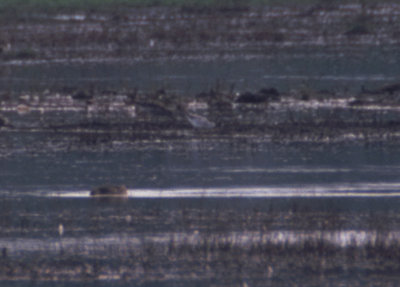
263	244
106	119
259	265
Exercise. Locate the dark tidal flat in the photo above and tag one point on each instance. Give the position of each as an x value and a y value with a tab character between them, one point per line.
179	242
258	143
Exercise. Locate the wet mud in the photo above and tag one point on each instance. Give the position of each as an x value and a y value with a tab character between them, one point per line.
176	243
108	119
215	264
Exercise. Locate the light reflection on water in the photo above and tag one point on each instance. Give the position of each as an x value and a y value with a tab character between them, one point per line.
355	190
219	168
328	190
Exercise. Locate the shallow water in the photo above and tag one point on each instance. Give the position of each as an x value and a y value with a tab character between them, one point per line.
259	169
284	69
298	174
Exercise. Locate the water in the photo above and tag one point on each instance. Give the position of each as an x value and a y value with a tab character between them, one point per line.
201	166
284	69
194	194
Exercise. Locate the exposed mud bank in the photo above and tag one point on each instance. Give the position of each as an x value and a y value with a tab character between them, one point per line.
204	246
78	119
145	33
216	262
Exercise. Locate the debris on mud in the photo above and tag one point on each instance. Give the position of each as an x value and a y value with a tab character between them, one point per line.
96	117
261	245
109	191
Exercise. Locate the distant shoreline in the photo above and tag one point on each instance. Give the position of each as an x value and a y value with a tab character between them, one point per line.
49	6
46	32
93	117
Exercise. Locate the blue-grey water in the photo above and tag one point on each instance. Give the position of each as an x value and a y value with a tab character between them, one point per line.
296	167
189	189
342	70
265	175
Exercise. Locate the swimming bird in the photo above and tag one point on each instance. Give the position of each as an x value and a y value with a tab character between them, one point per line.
109	191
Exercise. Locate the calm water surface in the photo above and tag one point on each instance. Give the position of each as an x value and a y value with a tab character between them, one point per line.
229	175
294	168
284	69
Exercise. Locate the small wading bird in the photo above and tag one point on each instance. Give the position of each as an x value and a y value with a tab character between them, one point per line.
199	122
195	120
109	191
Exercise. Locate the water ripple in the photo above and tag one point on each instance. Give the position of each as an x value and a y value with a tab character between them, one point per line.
364	189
